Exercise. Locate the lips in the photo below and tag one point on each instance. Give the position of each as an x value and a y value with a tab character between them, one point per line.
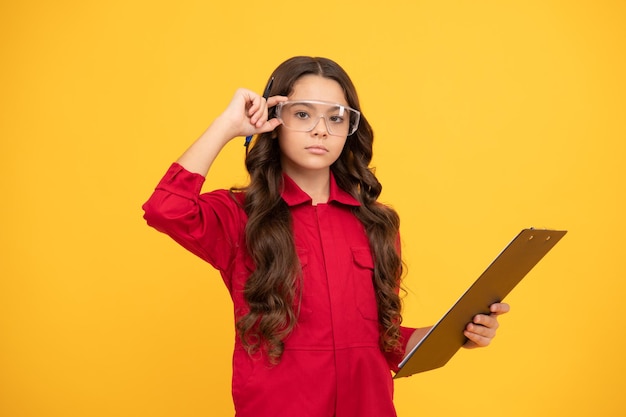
317	149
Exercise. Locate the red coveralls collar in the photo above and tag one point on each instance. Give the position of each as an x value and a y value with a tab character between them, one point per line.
293	194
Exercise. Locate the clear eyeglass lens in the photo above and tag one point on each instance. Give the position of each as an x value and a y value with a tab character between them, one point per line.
304	115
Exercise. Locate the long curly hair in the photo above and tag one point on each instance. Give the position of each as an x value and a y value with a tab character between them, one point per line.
272	290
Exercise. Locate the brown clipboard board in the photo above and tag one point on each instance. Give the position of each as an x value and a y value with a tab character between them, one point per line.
446	337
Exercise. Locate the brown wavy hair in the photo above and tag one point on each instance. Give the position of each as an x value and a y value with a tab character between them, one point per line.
272	290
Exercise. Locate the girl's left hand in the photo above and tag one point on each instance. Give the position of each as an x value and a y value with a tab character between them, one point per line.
483	328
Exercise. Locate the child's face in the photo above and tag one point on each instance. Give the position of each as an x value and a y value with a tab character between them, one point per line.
317	149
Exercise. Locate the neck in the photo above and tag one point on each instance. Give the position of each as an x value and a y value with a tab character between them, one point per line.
315	184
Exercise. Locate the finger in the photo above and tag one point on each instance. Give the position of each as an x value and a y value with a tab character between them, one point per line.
255	109
488	321
249	98
486	327
480	330
258	112
259	118
499	308
476	340
274	100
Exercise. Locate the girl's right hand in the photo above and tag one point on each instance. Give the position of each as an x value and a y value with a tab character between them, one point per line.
247	113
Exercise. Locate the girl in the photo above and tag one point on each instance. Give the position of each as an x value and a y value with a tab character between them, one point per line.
309	256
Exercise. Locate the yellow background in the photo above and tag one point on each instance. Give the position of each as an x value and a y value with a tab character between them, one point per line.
490	116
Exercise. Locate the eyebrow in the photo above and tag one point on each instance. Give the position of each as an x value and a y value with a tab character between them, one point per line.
311	104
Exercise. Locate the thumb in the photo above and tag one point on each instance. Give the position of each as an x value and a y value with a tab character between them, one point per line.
269	126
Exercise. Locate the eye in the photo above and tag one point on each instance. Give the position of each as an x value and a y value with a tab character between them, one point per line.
301	115
336	119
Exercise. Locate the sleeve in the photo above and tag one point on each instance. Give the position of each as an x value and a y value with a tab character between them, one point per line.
209	225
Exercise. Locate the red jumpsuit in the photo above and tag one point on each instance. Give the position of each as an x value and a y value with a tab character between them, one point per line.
332	365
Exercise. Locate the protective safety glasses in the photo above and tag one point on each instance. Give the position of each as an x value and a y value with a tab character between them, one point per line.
304	115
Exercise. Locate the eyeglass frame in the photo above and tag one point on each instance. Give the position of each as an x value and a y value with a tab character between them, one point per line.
353	126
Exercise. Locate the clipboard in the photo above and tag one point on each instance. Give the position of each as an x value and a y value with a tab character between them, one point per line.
446	337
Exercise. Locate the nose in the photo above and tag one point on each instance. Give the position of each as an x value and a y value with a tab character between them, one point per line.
320	129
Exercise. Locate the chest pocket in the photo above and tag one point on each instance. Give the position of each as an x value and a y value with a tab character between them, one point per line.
363	275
